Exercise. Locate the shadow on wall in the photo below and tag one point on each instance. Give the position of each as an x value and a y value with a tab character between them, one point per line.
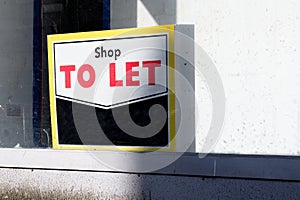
134	13
162	11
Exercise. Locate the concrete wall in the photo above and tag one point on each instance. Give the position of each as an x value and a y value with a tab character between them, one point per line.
16	56
40	184
254	46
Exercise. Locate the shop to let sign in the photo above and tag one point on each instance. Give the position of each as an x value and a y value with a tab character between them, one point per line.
109	70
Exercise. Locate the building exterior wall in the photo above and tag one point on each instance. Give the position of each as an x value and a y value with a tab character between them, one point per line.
41	184
254	46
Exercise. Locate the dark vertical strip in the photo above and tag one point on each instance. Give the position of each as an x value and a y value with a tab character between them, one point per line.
106	14
37	72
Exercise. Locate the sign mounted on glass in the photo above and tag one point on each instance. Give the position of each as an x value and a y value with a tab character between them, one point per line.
113	89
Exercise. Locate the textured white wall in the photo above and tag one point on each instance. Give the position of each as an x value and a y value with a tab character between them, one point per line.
255	46
16	58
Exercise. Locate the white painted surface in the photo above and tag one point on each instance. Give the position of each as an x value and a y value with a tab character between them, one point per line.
255	47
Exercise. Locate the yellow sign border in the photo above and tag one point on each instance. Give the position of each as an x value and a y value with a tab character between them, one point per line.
110	34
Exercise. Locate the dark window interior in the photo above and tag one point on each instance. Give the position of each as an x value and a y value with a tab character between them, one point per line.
62	16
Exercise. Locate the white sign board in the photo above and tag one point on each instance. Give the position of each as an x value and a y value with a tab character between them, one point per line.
111	72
